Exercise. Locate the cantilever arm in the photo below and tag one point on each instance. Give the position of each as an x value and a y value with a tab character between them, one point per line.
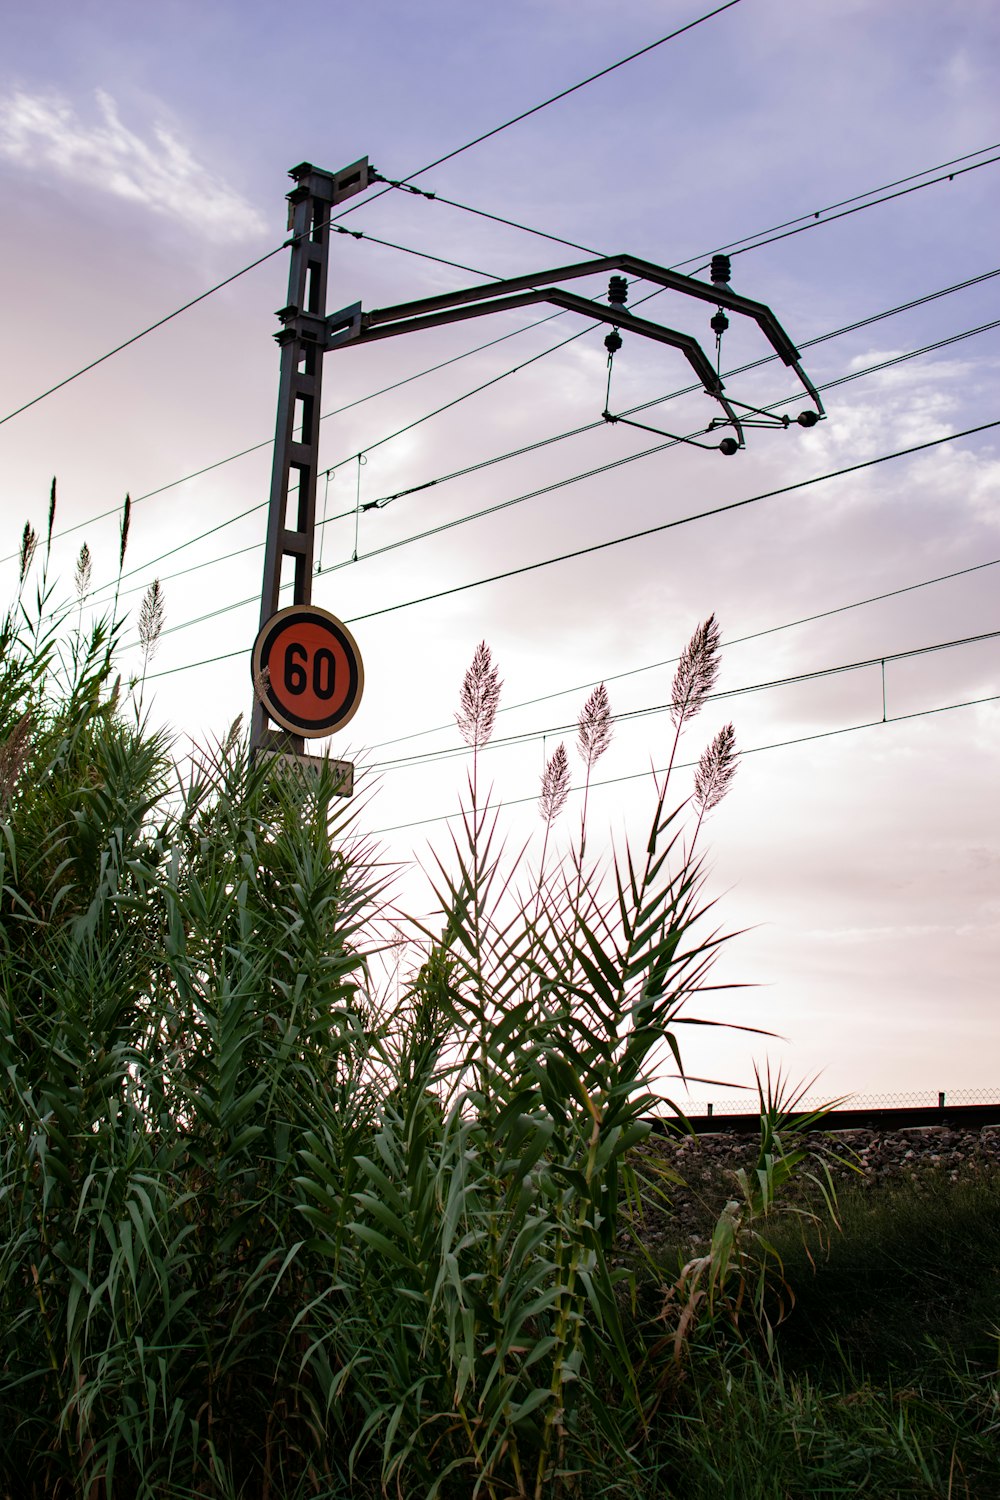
351	326
427	312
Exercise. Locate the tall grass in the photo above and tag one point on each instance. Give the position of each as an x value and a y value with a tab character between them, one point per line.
267	1226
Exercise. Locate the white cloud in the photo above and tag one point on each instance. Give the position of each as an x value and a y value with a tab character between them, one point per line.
160	173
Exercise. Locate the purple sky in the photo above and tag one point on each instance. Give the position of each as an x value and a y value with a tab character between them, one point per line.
143	155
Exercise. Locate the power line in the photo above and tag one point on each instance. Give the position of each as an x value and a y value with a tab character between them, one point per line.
680	521
571	432
739	640
808	219
803	739
559	437
650	711
565	93
846	213
886	187
529	736
481	213
815	222
141	334
332	222
530	447
599	546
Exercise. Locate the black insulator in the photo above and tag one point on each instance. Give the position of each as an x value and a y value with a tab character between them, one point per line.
618	291
613	342
729	446
720	323
721	268
807	418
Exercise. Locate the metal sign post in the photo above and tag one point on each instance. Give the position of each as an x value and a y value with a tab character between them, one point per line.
291	521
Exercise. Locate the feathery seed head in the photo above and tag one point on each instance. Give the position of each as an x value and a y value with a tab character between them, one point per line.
594	727
123	538
716	768
152	613
478	699
696	672
555	785
14	753
29	541
52	508
84	568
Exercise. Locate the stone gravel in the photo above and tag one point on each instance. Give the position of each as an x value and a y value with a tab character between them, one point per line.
873	1158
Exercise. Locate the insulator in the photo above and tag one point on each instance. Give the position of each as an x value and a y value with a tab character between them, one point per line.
807	418
618	291
720	323
613	342
721	269
729	446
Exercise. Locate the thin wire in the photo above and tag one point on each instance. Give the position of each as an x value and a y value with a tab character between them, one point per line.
528	736
888	198
804	739
565	93
594	547
481	213
485	463
142	334
816	215
680	521
358	234
381	502
759	244
812	217
322	527
571	432
672	442
332	222
511	453
357	504
727	644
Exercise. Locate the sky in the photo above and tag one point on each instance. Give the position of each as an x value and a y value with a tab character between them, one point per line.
846	151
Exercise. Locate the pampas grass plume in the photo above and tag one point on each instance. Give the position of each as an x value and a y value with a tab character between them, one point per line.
479	699
716	769
594	727
696	672
555	785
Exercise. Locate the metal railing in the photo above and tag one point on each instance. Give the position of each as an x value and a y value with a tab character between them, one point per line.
748	1103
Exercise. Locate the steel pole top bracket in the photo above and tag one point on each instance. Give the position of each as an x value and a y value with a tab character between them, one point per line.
351	326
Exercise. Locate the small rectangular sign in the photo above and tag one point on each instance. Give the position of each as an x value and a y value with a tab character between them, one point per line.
307	766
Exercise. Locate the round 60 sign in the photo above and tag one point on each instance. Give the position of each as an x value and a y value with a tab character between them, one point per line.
307	670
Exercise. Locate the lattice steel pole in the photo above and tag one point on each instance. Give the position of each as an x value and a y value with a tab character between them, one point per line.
291	521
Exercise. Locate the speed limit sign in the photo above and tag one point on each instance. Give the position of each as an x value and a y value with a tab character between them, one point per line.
307	670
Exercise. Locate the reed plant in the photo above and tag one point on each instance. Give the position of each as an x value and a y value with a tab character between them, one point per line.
270	1226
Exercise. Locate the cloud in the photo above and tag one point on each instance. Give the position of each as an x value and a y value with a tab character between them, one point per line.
160	173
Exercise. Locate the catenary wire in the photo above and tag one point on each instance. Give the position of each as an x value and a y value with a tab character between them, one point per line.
759	243
564	93
594	426
479	515
744	240
803	739
573	88
727	644
626	716
382	501
680	521
596	547
547	489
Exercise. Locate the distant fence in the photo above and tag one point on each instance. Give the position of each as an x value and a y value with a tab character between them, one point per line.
748	1103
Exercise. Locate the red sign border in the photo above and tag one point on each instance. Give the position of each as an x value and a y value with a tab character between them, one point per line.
310	728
